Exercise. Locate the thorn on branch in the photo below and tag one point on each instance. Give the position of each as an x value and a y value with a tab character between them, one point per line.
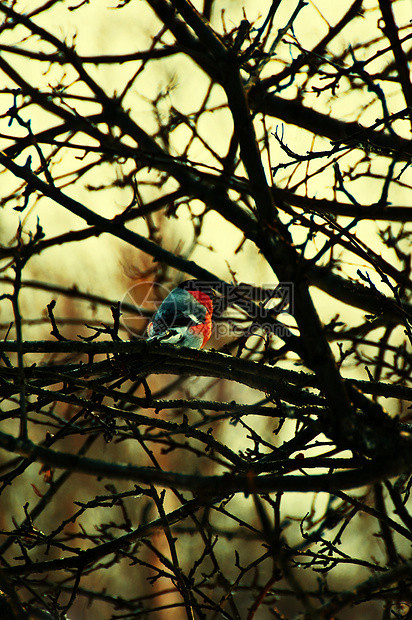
340	186
116	314
55	330
113	332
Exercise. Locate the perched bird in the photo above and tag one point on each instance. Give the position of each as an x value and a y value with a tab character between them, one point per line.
184	318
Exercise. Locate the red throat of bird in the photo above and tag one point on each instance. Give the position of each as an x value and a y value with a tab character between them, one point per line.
206	327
